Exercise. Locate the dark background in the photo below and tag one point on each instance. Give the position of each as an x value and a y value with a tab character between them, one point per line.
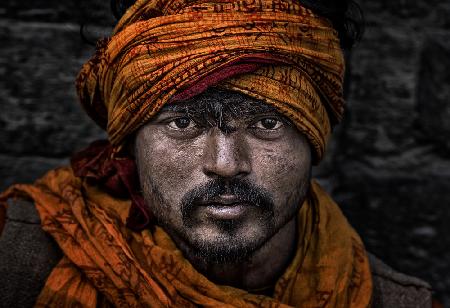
388	165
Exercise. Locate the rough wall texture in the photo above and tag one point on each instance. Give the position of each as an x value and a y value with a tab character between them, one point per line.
389	164
393	155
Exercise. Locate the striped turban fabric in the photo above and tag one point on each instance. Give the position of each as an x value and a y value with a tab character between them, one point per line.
165	51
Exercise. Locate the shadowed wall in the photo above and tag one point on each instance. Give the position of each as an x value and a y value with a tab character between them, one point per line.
388	165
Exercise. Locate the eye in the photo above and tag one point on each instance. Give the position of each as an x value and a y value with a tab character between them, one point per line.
181	123
268	123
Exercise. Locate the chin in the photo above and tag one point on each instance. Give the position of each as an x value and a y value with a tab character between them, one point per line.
227	242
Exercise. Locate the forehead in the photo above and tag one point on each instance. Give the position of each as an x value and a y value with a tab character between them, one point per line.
220	103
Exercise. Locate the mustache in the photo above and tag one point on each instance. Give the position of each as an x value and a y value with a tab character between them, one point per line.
243	190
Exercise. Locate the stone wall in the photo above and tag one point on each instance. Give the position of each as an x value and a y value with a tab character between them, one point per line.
389	163
392	160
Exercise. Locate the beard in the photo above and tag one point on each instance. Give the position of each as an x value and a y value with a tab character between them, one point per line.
233	240
229	247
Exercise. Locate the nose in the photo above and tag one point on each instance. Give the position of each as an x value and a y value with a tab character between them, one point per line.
226	155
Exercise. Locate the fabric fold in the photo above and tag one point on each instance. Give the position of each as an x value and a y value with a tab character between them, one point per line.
169	50
106	260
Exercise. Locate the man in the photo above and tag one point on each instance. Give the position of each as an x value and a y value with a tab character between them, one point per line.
202	196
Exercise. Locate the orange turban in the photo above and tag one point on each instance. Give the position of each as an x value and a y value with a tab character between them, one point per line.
170	50
164	51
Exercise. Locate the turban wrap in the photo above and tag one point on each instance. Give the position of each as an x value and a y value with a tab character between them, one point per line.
164	51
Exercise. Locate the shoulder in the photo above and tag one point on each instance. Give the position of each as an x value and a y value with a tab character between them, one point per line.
27	255
397	290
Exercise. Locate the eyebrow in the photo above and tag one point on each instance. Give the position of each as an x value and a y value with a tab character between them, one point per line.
216	107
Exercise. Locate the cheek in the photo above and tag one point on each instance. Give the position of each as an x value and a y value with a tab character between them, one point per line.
281	164
168	165
283	168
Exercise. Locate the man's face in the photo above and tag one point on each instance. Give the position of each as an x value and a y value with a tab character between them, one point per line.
222	173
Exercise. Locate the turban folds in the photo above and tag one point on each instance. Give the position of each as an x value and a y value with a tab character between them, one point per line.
164	51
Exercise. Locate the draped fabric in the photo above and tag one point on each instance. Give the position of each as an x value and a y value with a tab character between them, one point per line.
107	264
164	51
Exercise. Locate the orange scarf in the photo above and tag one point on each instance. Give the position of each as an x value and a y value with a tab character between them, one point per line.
106	263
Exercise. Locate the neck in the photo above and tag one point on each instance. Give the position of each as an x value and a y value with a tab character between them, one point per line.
257	274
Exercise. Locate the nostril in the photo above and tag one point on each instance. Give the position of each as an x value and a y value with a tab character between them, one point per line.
211	173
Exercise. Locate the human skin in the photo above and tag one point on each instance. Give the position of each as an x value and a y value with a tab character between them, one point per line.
225	175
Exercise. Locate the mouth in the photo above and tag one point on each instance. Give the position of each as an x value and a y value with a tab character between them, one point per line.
226	207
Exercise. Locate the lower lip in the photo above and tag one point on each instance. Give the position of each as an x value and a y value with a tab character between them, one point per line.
225	212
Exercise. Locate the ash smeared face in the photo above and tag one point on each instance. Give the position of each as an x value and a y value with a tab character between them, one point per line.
222	172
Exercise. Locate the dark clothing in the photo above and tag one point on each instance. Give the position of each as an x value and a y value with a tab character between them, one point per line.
28	255
394	289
